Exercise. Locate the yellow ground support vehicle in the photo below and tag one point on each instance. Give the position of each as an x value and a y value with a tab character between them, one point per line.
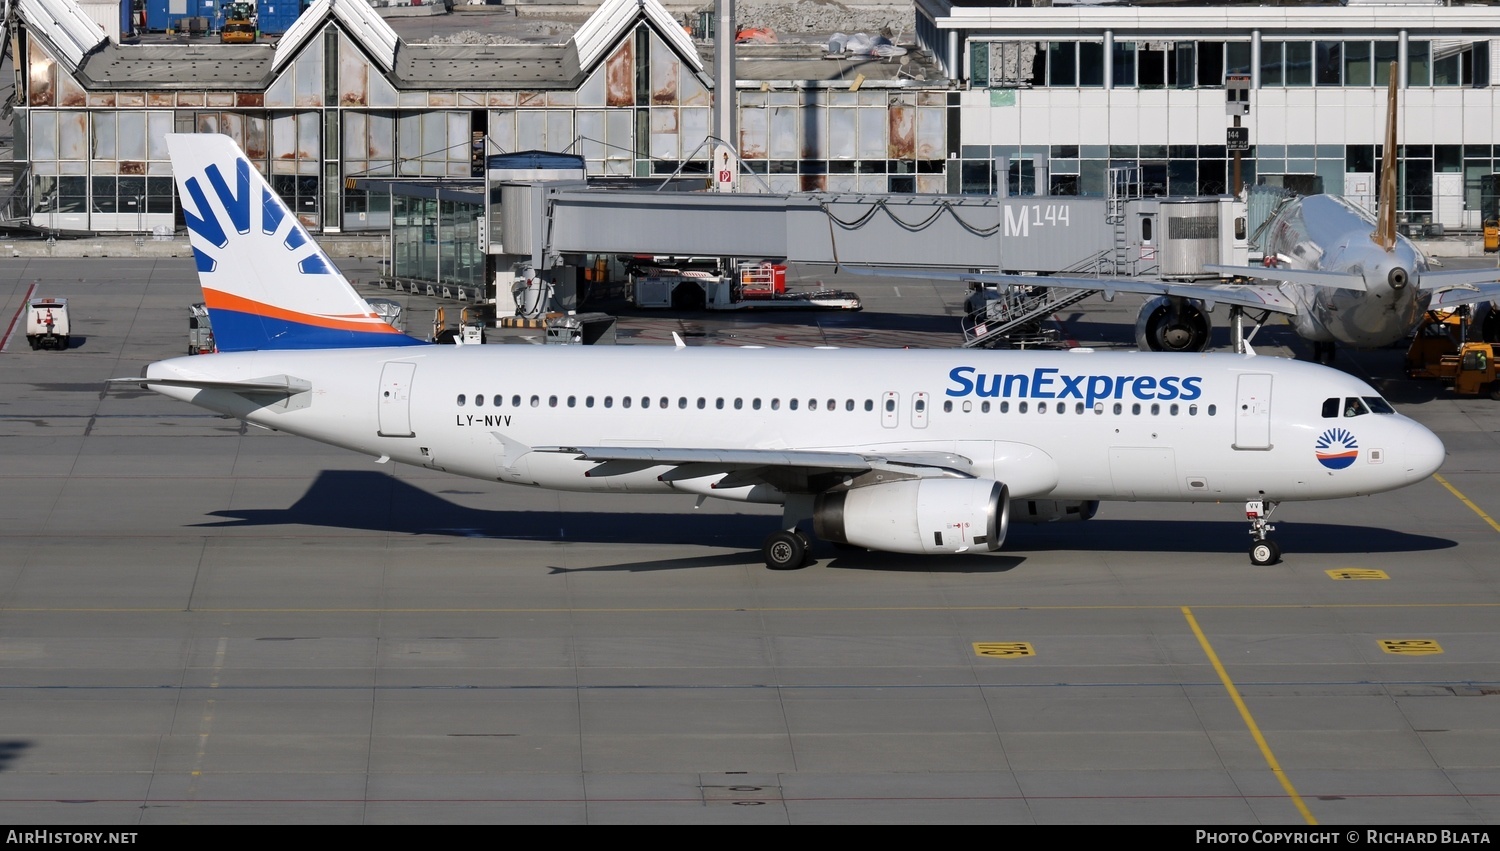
239	25
1441	349
237	32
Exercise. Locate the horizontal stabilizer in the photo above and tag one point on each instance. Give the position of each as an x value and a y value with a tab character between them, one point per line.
1311	277
282	385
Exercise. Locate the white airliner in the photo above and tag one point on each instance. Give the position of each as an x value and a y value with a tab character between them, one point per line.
908	451
1338	273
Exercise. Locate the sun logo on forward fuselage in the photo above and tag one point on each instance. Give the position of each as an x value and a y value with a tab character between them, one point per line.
1336	448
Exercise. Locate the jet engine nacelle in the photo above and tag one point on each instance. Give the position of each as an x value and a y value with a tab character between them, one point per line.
1053	510
1172	324
917	516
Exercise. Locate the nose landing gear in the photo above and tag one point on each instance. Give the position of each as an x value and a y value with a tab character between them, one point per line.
1263	550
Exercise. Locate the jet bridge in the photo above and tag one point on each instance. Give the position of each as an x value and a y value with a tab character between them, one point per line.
542	229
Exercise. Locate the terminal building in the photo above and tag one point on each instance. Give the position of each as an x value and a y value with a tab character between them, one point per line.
988	100
1061	93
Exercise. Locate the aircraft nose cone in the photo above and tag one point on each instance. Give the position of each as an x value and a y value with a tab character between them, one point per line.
1423	452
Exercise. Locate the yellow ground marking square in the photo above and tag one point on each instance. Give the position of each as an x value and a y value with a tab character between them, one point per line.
1356	573
1410	646
1004	649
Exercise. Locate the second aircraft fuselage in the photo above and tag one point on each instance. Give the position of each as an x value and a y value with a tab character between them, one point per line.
1327	233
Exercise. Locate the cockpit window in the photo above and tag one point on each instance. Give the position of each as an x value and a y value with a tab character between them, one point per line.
1353	407
1379	405
1330	408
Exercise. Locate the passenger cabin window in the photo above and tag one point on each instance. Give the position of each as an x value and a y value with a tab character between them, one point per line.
461	399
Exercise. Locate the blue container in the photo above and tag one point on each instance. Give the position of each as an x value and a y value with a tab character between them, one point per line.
275	17
160	17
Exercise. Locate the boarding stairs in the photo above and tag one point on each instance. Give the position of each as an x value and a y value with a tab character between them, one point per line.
1012	316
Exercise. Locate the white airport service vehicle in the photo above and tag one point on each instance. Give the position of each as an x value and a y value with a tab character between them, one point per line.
47	323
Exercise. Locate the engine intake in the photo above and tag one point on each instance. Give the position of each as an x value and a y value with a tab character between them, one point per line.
919	516
1169	324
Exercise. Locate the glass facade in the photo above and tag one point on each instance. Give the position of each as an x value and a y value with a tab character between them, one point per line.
1430	178
436	239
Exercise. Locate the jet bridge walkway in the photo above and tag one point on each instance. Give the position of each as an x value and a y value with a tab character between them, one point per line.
545	222
536	226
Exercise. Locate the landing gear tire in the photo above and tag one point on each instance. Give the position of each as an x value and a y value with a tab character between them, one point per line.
1264	552
785	550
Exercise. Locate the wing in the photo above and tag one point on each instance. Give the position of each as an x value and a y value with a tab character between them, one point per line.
1257	296
1310	277
1443	279
790	470
1465	294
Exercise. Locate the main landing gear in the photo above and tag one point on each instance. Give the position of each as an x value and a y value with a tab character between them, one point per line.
788	548
1263	550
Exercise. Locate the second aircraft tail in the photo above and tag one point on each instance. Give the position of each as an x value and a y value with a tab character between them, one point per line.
266	283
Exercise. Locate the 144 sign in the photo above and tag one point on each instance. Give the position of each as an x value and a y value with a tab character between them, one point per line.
1237	138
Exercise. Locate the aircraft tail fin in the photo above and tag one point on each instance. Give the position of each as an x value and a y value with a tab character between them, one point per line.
1385	231
266	283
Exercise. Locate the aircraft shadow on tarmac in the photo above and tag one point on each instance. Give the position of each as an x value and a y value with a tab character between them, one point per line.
351	499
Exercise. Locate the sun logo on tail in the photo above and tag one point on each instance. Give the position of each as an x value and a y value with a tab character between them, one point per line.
237	203
1336	448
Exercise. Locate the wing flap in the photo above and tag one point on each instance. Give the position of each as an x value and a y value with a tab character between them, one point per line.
776	467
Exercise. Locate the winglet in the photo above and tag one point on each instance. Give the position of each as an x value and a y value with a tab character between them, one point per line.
1385	231
678	341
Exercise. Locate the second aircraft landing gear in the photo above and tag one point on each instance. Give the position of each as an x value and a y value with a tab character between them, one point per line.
1263	550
